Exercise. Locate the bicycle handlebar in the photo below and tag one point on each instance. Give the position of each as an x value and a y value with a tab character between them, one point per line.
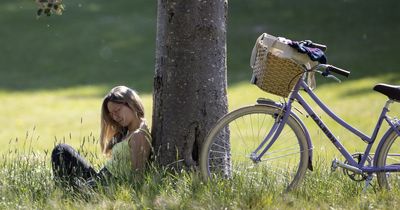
316	45
326	70
337	70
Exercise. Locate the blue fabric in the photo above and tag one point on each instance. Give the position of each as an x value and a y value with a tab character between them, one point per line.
315	54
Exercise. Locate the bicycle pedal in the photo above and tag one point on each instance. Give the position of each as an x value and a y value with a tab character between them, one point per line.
334	165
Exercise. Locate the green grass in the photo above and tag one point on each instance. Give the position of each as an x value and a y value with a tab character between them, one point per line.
55	71
27	176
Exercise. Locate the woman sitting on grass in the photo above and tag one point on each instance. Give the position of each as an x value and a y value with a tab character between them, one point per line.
124	138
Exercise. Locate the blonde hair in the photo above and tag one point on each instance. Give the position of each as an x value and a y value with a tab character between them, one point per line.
109	129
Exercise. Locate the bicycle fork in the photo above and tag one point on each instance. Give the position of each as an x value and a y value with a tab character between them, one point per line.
254	156
280	121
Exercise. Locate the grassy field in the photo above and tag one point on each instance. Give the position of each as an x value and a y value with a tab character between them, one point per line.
54	72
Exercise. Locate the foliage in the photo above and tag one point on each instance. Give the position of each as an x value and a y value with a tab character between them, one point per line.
49	7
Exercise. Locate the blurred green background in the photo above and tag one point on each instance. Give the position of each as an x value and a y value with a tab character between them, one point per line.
55	70
99	42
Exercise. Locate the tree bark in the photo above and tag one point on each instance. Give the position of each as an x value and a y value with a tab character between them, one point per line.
190	77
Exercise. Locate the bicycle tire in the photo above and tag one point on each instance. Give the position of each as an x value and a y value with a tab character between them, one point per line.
285	162
389	154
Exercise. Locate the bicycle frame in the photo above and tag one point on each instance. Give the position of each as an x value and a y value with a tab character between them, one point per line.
369	140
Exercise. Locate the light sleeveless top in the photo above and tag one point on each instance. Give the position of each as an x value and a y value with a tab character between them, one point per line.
120	163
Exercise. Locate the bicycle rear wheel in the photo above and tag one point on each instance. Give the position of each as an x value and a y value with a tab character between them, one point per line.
387	156
230	144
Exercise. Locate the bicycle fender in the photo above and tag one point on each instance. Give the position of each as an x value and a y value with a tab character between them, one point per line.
381	142
269	102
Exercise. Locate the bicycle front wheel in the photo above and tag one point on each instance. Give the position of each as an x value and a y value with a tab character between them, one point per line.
389	155
231	144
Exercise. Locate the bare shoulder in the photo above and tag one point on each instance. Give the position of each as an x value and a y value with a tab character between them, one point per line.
138	139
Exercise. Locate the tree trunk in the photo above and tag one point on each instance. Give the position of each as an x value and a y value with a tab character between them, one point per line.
190	78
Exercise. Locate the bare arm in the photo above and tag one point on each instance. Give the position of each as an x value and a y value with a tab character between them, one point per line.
139	150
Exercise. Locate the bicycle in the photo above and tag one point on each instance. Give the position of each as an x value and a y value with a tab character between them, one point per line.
270	138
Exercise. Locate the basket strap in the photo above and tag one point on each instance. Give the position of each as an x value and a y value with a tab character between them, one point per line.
255	49
270	47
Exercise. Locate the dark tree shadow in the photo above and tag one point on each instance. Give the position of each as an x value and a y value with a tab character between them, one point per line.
113	42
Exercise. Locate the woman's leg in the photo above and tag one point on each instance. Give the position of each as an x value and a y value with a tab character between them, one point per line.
68	166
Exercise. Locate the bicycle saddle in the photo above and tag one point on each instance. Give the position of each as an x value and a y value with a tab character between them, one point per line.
391	91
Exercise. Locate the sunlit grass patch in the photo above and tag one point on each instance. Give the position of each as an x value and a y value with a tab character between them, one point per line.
59	115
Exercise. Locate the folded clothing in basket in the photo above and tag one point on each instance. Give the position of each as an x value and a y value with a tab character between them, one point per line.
277	66
315	54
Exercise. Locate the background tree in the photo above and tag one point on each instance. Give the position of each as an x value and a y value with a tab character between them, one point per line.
190	78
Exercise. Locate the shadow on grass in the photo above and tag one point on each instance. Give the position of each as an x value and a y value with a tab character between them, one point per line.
109	43
393	80
92	43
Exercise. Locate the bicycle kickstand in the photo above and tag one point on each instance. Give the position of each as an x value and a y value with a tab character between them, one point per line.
367	182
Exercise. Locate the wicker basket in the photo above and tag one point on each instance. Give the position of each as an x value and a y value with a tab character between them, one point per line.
275	74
